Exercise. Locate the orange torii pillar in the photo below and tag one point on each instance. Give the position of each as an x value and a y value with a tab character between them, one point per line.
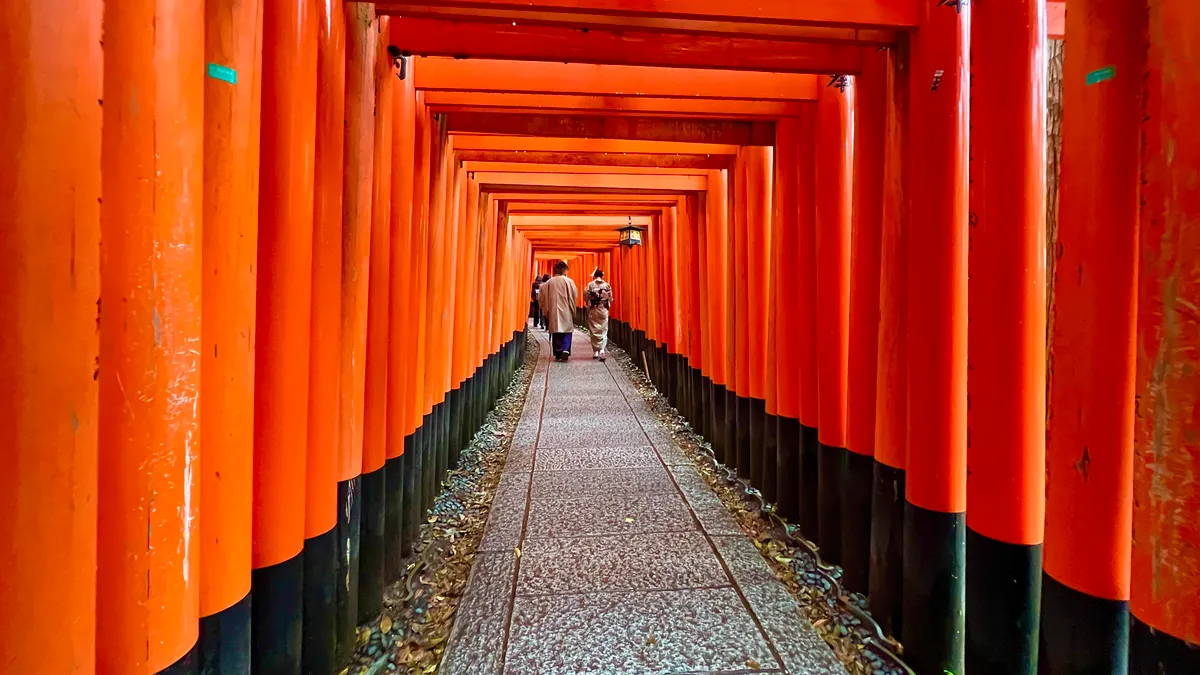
785	326
891	396
737	410
50	196
414	480
147	600
870	121
1165	597
834	181
359	163
285	238
758	204
400	325
321	474
1089	439
806	310
690	279
1007	348
460	340
374	453
233	40
440	287
934	519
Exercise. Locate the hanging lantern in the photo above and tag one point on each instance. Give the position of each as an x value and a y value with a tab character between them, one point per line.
631	235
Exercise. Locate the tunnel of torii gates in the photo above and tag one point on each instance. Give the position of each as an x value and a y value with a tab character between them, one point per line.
262	281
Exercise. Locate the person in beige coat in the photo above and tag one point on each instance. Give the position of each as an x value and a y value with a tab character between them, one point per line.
558	300
597	296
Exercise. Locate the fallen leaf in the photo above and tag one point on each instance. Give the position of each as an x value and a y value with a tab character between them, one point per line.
751	663
517	549
385	624
629	520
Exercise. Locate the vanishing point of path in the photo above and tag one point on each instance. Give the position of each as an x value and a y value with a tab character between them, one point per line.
606	553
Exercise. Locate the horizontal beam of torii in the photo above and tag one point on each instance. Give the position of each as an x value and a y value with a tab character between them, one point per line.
591	20
522	167
726	132
487	75
597	161
593	182
588	145
527	42
854	13
709	108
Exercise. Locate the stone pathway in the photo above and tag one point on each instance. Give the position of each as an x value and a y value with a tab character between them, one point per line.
606	553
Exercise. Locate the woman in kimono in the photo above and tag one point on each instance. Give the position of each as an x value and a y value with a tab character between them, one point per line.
598	297
558	299
542	319
535	310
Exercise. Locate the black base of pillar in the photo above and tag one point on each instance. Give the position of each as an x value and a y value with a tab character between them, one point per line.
757	419
319	655
433	433
396	471
224	645
787	473
414	449
887	547
1081	634
731	438
858	482
455	428
188	664
1004	599
443	457
934	613
809	500
770	458
1153	652
718	398
371	544
349	537
741	432
831	468
276	608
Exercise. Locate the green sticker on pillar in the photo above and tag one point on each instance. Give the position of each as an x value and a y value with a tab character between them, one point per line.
222	73
1101	75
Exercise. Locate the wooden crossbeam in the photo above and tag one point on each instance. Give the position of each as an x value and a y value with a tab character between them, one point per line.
622	128
529	42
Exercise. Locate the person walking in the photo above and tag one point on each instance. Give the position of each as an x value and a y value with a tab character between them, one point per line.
558	299
598	296
545	278
535	311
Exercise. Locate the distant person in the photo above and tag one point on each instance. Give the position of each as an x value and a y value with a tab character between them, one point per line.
598	297
558	299
535	311
545	278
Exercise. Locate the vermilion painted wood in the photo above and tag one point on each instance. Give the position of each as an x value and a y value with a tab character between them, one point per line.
485	75
531	42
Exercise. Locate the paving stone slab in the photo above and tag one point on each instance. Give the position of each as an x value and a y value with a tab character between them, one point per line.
506	519
648	633
576	458
476	644
709	510
799	644
520	457
568	516
638	562
585	483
